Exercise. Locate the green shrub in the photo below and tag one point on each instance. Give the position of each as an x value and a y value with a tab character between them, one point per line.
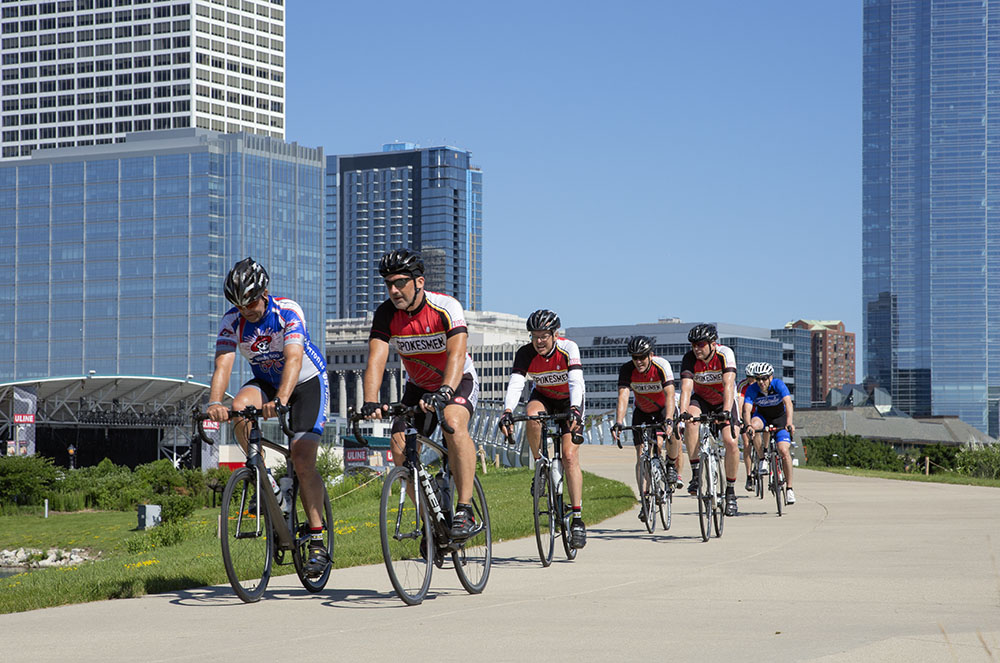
25	479
161	476
121	491
841	450
175	507
981	461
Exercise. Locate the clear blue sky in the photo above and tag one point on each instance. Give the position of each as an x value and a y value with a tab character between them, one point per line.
640	160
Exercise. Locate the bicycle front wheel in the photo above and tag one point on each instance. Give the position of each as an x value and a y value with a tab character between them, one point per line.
719	503
247	535
405	531
474	556
648	496
545	516
300	530
666	508
777	471
705	497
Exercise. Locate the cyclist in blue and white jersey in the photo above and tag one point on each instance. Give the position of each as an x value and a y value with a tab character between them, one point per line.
287	370
773	403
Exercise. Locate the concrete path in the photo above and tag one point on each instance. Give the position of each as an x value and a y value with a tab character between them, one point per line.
857	570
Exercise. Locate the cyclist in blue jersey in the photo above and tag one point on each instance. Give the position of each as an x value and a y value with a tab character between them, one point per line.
773	403
287	370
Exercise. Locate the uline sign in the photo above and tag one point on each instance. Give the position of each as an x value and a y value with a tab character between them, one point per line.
24	418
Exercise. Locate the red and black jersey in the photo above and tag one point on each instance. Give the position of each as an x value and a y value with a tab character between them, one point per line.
707	375
649	385
550	374
421	336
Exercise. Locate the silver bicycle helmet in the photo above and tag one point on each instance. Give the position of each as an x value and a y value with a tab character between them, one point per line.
246	282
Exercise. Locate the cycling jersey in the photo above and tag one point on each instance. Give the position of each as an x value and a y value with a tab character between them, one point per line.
263	342
769	406
558	376
707	376
421	337
649	385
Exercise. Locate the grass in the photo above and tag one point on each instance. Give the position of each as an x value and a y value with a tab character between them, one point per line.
949	477
133	563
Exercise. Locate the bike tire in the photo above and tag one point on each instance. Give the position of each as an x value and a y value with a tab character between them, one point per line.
779	482
566	518
545	517
719	504
705	498
474	556
402	524
300	531
648	496
666	509
247	540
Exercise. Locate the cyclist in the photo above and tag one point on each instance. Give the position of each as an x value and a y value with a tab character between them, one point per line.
652	380
772	405
741	390
708	385
429	332
287	370
553	364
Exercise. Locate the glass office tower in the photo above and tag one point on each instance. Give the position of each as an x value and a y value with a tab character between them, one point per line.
931	217
114	255
427	199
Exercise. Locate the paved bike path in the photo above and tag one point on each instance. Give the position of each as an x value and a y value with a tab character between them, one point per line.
857	570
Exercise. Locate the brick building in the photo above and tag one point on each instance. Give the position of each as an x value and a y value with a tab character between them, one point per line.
832	355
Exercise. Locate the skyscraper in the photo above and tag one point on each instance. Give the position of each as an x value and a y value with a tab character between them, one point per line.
115	255
931	216
426	199
87	72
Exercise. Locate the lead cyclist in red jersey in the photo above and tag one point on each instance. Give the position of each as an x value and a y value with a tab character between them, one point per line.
708	384
430	335
553	364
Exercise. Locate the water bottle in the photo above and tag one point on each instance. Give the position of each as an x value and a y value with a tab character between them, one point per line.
285	496
444	490
274	484
557	475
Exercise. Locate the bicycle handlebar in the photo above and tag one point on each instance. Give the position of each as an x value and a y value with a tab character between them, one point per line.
249	412
771	428
394	410
641	428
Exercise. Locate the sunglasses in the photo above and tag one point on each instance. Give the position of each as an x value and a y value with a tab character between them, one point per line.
248	306
699	344
398	284
639	357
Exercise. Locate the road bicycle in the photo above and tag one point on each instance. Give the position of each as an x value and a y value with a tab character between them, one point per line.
756	477
777	482
261	525
551	513
416	508
657	493
711	483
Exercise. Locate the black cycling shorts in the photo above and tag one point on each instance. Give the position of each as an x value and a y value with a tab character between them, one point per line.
554	406
640	417
467	395
309	402
707	407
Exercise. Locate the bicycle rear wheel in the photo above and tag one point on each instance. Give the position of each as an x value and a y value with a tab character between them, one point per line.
403	529
648	496
719	503
705	497
300	530
567	519
474	556
247	538
545	516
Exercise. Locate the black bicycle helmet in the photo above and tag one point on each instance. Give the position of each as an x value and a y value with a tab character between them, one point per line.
543	320
703	332
401	261
246	282
639	346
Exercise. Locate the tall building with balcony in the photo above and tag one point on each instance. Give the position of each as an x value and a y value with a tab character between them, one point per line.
426	199
88	72
832	355
931	211
115	255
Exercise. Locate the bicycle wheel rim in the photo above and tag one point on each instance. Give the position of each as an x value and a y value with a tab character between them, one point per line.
649	497
300	530
401	525
474	556
666	509
779	484
719	513
567	517
247	540
704	497
545	519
